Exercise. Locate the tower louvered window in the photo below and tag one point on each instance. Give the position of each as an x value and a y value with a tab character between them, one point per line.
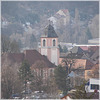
44	43
54	43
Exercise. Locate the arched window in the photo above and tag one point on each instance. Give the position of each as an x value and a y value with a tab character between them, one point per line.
54	43
41	73
44	43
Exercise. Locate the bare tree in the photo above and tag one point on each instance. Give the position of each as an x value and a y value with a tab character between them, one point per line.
9	46
5	43
10	83
68	64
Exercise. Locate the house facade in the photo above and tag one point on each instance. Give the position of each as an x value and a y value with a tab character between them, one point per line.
86	63
64	16
92	85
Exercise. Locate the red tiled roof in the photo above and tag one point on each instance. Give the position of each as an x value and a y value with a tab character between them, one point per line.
17	57
89	65
92	54
14	57
95	96
39	64
93	48
95	56
96	66
85	48
65	10
33	56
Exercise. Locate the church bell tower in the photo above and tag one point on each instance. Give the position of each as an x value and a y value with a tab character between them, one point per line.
49	44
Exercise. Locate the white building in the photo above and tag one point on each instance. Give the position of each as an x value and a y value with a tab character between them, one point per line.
92	85
94	41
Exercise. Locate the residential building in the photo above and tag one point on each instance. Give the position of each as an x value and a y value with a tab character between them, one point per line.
92	85
62	17
94	41
86	63
92	72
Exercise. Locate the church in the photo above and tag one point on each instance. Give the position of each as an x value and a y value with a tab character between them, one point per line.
49	45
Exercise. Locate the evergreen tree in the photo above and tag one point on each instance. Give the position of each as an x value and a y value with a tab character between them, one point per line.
60	78
25	73
89	34
33	41
60	48
20	44
65	49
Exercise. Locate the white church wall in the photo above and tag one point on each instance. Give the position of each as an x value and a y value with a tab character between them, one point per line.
54	58
44	51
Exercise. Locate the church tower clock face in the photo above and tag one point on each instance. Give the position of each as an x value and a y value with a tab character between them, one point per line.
49	44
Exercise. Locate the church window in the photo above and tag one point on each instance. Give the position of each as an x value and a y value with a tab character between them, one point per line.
54	43
51	73
41	73
44	42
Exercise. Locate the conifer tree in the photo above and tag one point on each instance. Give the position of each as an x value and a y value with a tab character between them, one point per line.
60	78
25	73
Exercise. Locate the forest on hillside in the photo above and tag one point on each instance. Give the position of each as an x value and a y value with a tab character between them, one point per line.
24	21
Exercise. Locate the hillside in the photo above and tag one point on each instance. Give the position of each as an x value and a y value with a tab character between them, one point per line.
25	18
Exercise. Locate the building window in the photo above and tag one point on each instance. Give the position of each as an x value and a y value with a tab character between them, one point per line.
93	86
51	73
44	43
54	43
41	73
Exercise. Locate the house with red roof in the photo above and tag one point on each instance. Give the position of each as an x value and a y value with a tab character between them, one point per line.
61	17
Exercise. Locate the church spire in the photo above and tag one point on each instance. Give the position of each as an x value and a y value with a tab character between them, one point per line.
49	32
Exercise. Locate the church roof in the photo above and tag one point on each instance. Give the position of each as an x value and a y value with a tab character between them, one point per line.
49	32
32	56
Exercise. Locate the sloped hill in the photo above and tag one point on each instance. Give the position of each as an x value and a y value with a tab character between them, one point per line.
16	16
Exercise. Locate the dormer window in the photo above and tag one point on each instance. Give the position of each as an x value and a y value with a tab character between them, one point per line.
54	43
44	43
